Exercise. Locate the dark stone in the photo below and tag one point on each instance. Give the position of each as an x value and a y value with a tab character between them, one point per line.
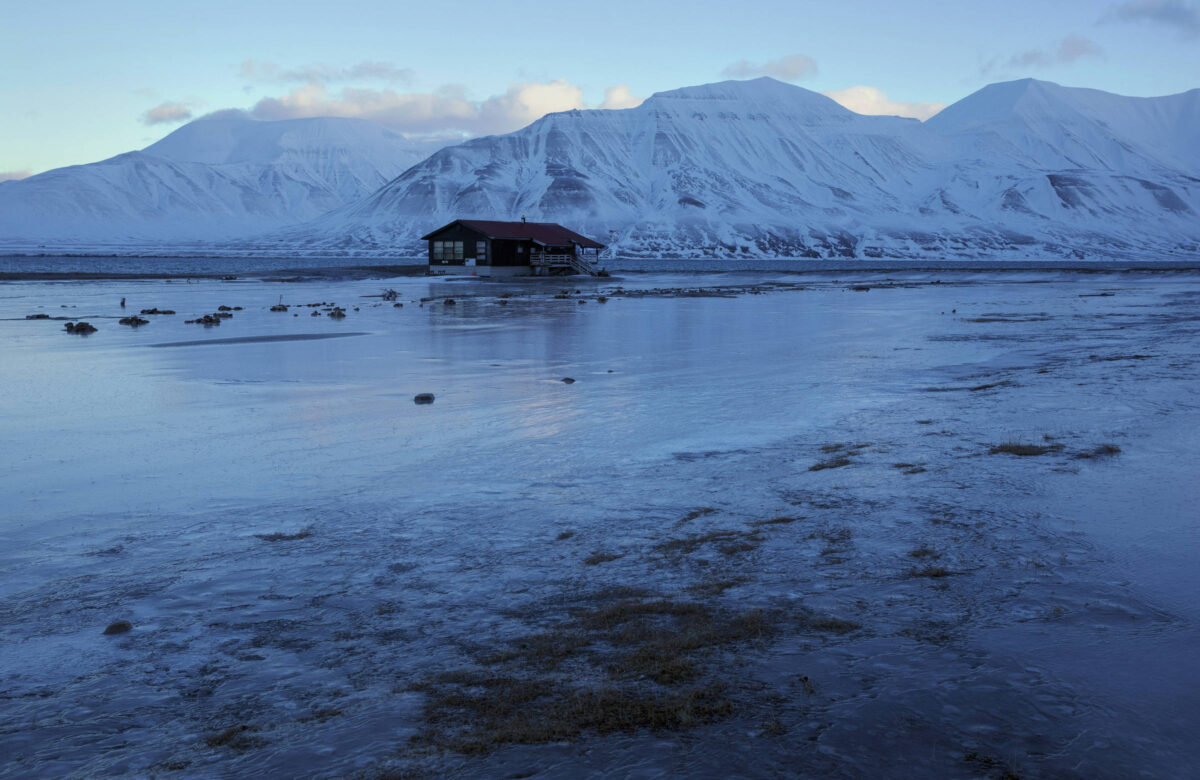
423	398
397	305
568	380
279	307
133	322
860	288
338	313
449	301
80	328
120	627
224	308
316	314
37	316
157	311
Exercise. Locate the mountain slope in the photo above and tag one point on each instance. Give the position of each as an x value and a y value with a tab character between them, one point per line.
764	168
211	178
735	168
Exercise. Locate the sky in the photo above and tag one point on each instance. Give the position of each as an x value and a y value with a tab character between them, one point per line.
82	81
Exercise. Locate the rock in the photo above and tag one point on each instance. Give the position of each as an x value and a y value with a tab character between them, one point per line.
860	288
566	380
423	398
208	320
397	305
120	627
37	316
602	299
279	307
80	328
222	314
224	308
582	301
316	314
133	322
602	273
338	313
157	311
390	295
449	301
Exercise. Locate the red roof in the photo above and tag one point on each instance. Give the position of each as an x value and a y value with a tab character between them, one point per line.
547	233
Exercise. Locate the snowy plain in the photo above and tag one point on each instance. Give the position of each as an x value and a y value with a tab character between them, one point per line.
301	549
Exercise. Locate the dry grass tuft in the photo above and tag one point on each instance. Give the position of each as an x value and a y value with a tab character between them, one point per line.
279	536
728	542
932	572
1024	450
617	666
776	521
597	558
1103	451
696	514
831	463
235	738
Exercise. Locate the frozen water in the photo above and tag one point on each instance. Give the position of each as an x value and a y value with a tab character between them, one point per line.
297	544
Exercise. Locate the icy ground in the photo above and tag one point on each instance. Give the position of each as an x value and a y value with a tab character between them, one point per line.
318	571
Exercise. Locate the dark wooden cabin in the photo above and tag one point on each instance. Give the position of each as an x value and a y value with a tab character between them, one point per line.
489	248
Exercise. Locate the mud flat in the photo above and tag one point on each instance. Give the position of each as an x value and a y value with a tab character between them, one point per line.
823	525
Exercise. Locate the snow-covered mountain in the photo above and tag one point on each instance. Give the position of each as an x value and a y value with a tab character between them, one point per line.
730	169
765	168
210	179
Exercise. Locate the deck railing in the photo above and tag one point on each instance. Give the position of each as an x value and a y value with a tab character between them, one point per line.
578	263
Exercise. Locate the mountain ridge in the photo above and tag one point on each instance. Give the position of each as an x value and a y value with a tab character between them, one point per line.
765	168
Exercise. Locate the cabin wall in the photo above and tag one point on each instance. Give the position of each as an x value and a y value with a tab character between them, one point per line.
469	237
510	252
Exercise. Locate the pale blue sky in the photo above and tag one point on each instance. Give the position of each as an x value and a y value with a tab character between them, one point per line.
77	79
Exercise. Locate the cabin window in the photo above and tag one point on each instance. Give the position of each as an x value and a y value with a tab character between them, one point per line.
447	251
480	251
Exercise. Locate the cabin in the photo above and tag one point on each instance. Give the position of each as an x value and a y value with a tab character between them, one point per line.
488	248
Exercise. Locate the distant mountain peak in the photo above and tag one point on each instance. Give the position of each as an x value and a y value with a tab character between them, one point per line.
762	91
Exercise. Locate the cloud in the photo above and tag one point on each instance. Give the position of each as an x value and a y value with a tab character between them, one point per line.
15	175
794	68
1065	52
620	97
319	73
874	102
446	109
165	113
1179	14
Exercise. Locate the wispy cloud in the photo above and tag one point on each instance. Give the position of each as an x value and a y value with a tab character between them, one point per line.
1067	51
445	110
15	175
320	73
794	68
165	113
875	102
1180	15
